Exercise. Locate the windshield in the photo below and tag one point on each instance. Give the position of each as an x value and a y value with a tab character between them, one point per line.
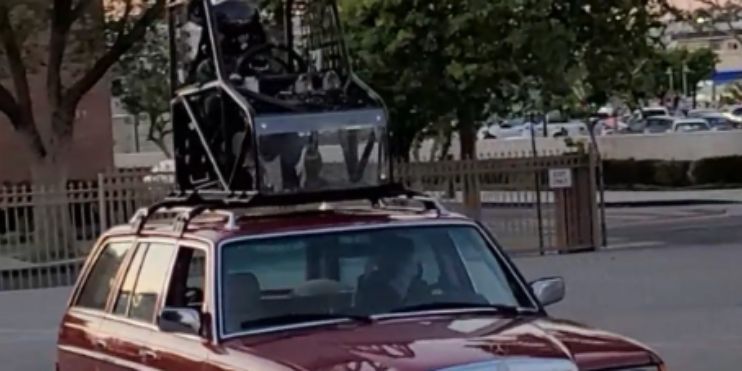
719	123
658	125
361	273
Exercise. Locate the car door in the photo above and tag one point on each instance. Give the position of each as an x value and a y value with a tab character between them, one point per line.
128	327
187	289
79	336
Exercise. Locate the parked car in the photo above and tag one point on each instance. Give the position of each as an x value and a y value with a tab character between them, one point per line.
690	125
505	129
654	111
658	124
558	129
317	289
702	112
717	121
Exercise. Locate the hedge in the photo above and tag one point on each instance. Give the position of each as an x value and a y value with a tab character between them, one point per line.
670	174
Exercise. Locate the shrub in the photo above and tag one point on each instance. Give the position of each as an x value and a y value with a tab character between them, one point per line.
671	173
717	170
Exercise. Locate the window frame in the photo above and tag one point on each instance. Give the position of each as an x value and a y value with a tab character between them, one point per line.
508	267
142	241
208	291
84	276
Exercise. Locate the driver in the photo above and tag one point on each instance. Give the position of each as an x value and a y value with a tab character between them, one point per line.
395	282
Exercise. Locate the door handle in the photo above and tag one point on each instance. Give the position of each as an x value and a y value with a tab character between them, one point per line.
147	354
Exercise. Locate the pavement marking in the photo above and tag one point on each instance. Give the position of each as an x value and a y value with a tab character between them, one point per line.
629	245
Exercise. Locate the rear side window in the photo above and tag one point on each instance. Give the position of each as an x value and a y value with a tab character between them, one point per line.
102	276
144	282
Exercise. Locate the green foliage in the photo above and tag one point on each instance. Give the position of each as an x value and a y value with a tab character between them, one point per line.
460	61
655	82
673	174
719	170
142	83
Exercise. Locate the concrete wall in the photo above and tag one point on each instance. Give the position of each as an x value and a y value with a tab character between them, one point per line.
682	146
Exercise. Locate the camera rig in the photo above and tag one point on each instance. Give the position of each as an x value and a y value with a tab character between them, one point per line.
264	100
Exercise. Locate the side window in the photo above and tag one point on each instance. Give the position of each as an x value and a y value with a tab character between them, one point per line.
482	265
101	279
151	281
144	282
188	279
121	307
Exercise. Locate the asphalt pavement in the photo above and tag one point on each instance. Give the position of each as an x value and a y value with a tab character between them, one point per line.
670	278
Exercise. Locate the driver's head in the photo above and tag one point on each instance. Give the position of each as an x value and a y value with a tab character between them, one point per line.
397	261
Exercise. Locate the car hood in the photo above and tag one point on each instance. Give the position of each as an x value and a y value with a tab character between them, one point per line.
438	342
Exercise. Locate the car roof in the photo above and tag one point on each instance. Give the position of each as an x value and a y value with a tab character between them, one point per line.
691	121
259	225
663	117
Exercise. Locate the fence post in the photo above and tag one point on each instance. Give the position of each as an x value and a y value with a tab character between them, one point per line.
102	204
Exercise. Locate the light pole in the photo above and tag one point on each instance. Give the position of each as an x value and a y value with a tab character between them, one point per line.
685	80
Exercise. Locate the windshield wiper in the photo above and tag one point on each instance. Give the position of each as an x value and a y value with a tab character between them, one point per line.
463	306
289	319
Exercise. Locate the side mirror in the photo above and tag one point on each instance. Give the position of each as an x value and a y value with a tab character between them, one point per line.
549	291
183	320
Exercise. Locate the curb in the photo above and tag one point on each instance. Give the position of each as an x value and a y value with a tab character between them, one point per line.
623	204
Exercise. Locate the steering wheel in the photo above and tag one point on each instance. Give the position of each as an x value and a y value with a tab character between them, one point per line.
265	54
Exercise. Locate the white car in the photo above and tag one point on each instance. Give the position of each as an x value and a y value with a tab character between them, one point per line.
558	129
163	172
655	111
503	130
690	125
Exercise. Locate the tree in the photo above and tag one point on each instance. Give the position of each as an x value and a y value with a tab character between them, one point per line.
61	40
435	60
613	42
653	80
143	85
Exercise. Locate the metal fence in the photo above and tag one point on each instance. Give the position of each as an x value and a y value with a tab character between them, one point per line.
46	232
516	196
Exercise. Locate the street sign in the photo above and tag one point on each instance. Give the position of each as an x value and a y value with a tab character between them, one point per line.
560	178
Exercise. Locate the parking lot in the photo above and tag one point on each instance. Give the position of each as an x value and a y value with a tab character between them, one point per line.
672	282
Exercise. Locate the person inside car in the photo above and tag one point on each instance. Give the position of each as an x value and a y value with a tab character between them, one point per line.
396	280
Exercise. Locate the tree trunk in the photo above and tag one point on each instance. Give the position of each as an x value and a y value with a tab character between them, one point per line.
468	139
54	233
157	134
137	147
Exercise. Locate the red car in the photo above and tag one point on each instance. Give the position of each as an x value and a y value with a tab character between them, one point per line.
344	288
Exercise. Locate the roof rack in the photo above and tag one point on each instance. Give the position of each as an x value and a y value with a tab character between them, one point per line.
189	205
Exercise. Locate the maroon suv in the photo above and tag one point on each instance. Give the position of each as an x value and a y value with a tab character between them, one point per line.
344	288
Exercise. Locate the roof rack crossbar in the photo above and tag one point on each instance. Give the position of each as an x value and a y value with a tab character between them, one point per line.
192	204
